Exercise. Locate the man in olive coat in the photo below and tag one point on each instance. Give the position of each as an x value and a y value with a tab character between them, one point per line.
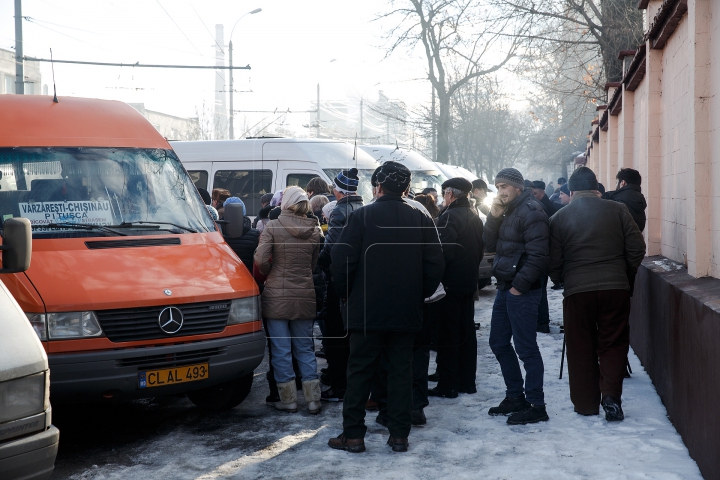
595	248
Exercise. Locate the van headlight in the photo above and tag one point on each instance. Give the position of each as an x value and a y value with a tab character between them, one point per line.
22	397
243	310
73	325
38	323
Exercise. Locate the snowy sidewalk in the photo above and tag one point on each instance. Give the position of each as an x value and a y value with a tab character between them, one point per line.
460	440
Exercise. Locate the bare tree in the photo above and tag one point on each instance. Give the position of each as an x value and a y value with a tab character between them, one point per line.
457	36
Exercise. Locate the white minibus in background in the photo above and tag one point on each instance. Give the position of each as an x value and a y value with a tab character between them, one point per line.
425	174
252	167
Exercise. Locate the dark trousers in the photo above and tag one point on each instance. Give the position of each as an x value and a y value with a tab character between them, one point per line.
515	317
366	349
457	342
598	338
420	365
544	311
335	341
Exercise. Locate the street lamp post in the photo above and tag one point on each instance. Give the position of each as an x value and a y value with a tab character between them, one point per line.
230	51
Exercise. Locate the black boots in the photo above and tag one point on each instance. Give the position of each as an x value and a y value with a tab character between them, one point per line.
613	410
438	392
534	414
510	405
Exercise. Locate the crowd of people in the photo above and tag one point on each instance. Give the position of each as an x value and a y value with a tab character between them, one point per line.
390	280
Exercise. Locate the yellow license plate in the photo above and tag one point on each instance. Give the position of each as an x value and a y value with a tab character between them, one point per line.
173	376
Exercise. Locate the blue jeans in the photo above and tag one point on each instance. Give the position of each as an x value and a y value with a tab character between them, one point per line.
516	317
290	338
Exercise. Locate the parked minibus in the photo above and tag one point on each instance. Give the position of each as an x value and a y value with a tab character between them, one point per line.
425	174
28	440
250	168
132	290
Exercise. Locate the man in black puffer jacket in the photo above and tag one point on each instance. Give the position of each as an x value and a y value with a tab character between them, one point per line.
461	232
240	235
517	231
629	192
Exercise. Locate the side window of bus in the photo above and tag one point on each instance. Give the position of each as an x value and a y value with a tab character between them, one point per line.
299	179
248	185
199	178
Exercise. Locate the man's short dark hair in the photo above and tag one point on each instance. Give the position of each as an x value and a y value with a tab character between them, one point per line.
479	184
631	177
562	181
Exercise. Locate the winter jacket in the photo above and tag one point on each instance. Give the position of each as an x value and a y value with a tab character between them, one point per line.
337	221
461	232
594	245
549	206
520	240
385	262
293	243
634	200
245	245
262	218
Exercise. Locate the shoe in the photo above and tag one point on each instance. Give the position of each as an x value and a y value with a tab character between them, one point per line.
398	444
371	405
477	326
354	445
272	398
543	328
331	395
437	392
437	296
613	410
510	405
288	397
311	391
325	379
534	414
381	420
557	286
470	390
418	418
434	377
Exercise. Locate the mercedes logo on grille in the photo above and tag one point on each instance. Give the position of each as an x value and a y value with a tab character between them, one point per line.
170	320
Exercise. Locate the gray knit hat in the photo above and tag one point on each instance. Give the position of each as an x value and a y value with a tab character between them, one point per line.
512	177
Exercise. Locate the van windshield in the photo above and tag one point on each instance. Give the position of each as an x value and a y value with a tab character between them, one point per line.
364	181
87	192
427	179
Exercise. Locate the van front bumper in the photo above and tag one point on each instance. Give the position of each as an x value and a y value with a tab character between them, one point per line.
113	375
31	457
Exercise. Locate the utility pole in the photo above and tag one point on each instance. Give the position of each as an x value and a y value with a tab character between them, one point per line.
362	132
317	127
231	114
19	70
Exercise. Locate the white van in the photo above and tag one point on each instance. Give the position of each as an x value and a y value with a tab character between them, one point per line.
28	440
250	168
425	174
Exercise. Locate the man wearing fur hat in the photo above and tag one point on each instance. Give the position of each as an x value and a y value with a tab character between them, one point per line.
335	339
517	231
595	249
387	259
461	232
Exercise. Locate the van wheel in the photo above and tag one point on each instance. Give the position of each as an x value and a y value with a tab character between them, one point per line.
224	396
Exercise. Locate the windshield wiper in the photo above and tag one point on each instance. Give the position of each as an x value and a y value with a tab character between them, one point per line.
83	226
135	224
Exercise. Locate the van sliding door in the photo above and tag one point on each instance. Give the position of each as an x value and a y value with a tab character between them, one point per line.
248	181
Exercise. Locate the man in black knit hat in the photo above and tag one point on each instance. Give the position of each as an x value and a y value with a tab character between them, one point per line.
335	339
517	231
387	259
595	250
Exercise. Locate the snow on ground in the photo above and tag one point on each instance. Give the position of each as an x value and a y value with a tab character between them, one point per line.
460	440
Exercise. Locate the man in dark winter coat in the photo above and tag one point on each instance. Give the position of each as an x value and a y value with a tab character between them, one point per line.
240	235
461	233
538	189
595	248
335	338
543	325
629	192
517	230
386	261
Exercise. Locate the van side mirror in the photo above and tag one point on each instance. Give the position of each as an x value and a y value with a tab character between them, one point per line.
17	245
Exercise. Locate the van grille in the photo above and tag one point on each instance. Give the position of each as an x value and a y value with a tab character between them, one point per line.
172	359
133	324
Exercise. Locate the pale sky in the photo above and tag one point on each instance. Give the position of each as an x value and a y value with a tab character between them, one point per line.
290	46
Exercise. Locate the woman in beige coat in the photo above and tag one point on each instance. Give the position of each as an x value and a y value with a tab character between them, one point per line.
287	254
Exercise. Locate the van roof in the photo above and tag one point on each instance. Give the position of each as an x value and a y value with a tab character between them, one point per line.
36	121
413	160
328	154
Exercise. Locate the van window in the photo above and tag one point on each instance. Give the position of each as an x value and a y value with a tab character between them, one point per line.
247	185
299	179
82	192
364	183
199	178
